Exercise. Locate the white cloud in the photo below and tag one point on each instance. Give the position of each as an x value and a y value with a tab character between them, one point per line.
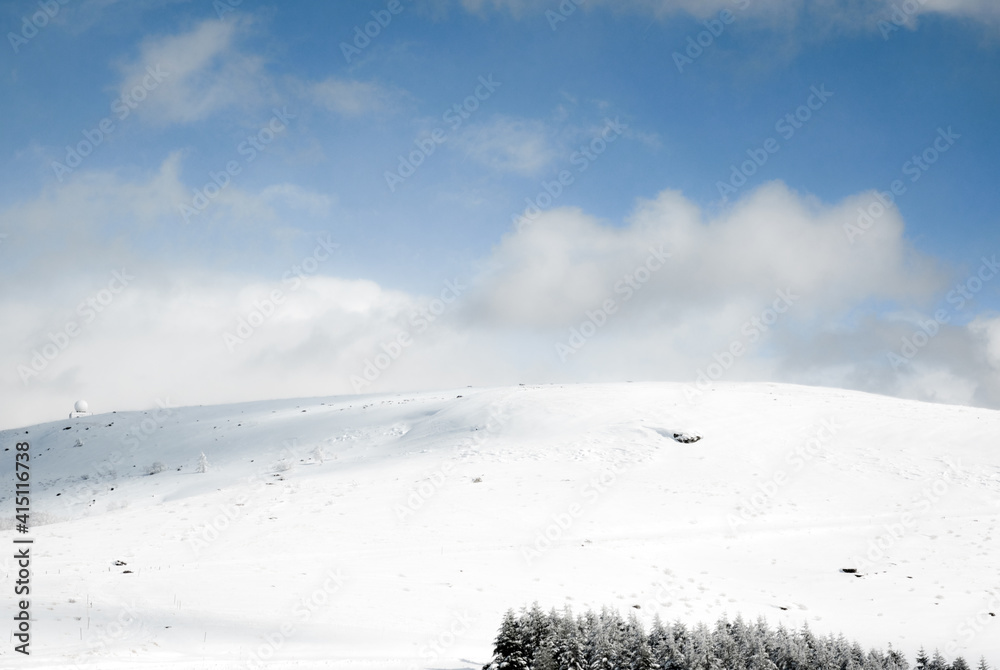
988	329
856	14
298	198
978	9
84	223
82	15
189	76
566	262
203	71
556	273
351	98
164	336
506	144
97	220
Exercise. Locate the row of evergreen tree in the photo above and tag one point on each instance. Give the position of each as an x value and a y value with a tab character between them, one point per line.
534	640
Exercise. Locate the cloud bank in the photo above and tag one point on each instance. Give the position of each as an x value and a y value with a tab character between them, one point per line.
854	14
774	288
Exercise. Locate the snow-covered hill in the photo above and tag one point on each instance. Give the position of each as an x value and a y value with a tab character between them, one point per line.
393	531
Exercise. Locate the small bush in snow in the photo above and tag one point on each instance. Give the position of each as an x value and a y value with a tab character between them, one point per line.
156	468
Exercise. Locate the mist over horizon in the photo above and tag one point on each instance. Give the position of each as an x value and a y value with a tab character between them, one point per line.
246	201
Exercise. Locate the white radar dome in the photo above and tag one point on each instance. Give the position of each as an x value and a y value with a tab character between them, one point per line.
80	406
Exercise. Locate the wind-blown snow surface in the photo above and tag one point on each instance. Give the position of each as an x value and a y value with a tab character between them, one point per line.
427	516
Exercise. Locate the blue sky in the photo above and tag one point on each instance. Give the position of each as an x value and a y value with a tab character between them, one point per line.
598	94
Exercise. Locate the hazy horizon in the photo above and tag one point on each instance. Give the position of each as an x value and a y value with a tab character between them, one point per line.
228	201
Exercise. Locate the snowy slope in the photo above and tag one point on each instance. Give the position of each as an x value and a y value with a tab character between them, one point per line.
393	531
